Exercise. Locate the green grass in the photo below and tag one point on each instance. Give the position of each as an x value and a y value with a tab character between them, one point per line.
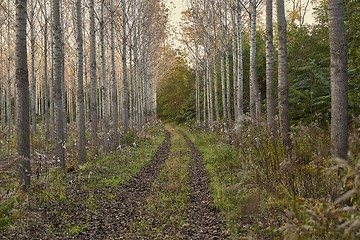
232	186
96	177
167	205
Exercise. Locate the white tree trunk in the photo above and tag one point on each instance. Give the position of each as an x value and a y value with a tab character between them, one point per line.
115	116
80	85
283	84
105	96
93	81
270	86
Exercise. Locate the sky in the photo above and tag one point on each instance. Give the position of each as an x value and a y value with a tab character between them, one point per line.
178	6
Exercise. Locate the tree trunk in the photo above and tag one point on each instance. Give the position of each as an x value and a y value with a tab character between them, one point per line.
8	95
240	79
93	82
124	66
282	76
255	97
105	97
23	99
33	78
80	85
115	116
197	67
270	86
339	81
59	119
227	63
46	81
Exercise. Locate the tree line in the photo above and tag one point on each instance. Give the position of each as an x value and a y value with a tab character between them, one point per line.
89	64
215	33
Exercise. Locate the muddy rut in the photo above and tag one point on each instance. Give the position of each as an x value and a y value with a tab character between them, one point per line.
203	216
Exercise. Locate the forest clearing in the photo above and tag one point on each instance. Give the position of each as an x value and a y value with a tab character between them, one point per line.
192	119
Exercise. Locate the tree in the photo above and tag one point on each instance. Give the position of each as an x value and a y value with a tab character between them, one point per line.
255	97
23	99
115	116
33	60
270	98
57	91
80	85
124	76
93	81
339	80
105	99
283	84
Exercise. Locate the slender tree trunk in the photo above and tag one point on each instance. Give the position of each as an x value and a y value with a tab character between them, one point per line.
339	81
227	63
115	116
124	66
23	99
33	78
240	79
270	86
234	55
80	85
8	96
93	81
223	92
197	67
105	97
283	84
46	81
59	119
255	97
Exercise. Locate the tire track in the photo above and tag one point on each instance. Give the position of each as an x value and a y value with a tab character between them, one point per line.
115	219
203	216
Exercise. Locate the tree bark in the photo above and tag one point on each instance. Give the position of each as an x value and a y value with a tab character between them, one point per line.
105	97
270	86
23	99
115	116
339	81
124	68
80	85
283	85
59	119
93	82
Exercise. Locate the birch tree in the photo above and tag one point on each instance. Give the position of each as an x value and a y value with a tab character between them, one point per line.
270	88
283	85
33	77
115	117
80	84
57	91
124	69
240	76
23	99
255	97
93	81
105	98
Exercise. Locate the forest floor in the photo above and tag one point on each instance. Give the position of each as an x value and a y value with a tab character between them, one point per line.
156	190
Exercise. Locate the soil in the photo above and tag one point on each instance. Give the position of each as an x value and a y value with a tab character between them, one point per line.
203	216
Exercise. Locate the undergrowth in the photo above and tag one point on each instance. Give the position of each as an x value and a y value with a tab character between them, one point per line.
299	193
56	194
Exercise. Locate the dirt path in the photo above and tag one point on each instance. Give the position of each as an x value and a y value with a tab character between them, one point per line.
203	217
168	198
114	220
